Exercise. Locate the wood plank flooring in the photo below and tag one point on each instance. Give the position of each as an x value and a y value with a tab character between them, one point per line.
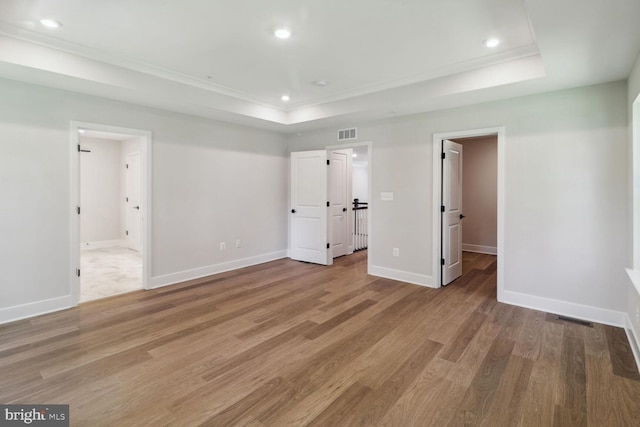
295	344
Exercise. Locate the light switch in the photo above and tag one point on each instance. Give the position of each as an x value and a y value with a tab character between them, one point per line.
386	196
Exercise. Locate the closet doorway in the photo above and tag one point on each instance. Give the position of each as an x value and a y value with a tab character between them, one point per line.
111	218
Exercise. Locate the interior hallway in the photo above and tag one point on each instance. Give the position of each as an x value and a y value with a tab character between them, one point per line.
109	271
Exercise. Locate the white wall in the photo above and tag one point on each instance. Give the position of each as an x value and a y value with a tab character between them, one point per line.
211	182
100	190
480	193
565	242
565	202
633	290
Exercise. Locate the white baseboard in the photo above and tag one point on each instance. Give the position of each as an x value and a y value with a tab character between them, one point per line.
402	276
18	312
196	273
632	336
489	250
103	244
577	311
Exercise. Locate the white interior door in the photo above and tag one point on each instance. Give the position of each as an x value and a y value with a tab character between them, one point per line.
452	212
340	198
309	208
132	187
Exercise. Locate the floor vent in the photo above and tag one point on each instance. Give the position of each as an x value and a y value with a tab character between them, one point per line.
576	321
344	134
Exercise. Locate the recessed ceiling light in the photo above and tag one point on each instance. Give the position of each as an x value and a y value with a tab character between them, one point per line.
354	155
321	83
51	23
282	32
285	98
81	131
492	42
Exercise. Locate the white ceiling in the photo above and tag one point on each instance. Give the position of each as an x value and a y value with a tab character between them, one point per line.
219	58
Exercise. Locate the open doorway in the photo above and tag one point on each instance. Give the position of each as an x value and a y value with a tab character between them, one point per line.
481	237
318	234
479	229
110	236
357	187
361	197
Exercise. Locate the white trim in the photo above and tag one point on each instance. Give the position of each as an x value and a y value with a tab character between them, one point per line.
196	273
479	249
103	244
402	276
18	312
632	337
145	208
437	188
564	308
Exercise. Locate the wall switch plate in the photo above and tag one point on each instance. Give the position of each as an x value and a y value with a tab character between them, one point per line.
396	252
238	243
386	196
223	246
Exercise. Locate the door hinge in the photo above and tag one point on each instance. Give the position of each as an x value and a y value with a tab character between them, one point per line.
78	148
328	204
126	232
78	272
126	199
328	245
78	209
328	162
443	156
442	261
442	208
126	166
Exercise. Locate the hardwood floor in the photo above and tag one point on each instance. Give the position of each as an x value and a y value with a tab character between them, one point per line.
289	343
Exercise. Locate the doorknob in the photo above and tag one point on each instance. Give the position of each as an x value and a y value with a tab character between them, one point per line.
136	207
293	211
461	216
344	209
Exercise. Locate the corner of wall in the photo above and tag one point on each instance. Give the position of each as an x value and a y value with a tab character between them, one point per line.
402	276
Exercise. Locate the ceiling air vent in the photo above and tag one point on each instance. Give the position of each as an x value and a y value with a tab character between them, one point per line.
344	134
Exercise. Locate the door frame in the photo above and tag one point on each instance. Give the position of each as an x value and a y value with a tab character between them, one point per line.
499	132
145	187
370	211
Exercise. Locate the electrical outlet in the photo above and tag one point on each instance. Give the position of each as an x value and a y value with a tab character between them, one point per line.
238	243
223	246
396	252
